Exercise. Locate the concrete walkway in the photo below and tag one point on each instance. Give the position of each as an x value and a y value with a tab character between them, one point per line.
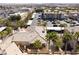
9	46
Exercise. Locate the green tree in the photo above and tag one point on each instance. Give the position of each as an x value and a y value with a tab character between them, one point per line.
21	23
4	33
8	23
59	43
67	36
28	17
76	36
51	36
1	35
2	22
14	17
9	30
18	17
37	44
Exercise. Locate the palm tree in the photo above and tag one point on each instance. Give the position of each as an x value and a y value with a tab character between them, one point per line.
37	44
51	36
58	44
76	36
67	36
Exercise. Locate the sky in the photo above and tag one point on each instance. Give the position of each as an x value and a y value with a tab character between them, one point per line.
39	1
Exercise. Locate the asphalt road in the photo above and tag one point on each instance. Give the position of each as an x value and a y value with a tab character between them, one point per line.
35	20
